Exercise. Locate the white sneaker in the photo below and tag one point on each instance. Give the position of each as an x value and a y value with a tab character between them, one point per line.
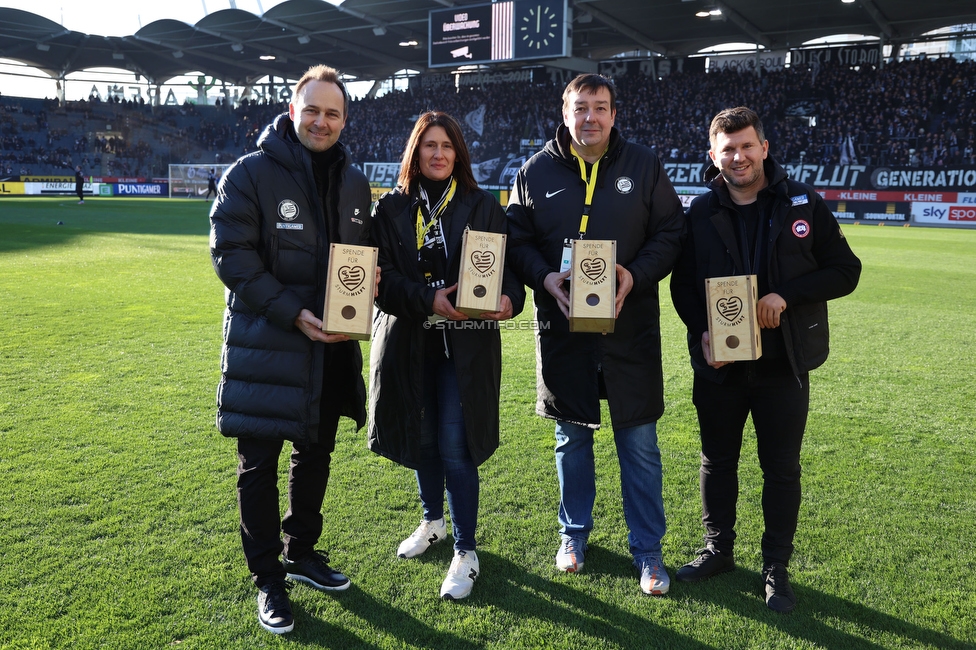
427	533
461	576
654	579
569	557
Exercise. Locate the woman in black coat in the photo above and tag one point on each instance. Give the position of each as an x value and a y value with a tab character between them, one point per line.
434	385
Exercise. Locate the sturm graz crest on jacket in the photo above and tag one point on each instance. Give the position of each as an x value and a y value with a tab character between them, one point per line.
288	210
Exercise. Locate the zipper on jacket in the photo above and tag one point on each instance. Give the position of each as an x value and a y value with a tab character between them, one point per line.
273	255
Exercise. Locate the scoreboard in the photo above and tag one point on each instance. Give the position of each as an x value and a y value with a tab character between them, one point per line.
511	30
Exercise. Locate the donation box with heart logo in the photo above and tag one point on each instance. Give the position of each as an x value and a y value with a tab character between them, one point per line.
349	293
733	326
480	274
593	286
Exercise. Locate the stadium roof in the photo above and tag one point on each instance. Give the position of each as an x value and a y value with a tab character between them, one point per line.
362	37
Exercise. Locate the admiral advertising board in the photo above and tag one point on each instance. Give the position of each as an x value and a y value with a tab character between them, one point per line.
12	189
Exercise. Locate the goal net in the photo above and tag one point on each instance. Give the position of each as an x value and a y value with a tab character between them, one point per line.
190	181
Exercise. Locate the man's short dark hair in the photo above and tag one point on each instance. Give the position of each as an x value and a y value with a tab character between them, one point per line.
324	73
591	83
733	120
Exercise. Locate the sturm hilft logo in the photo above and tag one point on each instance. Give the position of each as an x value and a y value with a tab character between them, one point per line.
729	308
352	277
483	261
593	268
288	210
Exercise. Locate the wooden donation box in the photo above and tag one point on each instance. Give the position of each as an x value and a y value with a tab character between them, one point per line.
593	286
480	274
349	293
733	326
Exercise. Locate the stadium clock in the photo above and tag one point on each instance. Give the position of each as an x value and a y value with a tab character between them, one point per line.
508	30
538	29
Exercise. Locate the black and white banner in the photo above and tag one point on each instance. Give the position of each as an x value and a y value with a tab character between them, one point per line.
850	56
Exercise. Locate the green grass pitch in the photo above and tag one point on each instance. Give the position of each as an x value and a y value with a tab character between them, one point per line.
118	519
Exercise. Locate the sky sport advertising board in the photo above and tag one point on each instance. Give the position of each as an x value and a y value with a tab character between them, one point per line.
960	212
931	208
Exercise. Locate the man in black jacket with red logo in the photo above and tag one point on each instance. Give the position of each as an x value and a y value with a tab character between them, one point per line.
282	378
757	221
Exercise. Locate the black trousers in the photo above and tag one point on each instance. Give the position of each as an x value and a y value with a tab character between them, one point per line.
779	402
264	534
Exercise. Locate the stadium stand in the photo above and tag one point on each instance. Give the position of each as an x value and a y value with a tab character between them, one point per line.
915	113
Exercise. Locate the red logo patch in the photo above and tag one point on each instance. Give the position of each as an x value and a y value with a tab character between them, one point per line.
801	228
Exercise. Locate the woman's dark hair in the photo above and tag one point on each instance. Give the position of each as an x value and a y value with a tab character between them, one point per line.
410	165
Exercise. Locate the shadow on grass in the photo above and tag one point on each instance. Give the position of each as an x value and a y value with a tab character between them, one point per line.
578	615
504	586
395	622
739	592
33	223
570	609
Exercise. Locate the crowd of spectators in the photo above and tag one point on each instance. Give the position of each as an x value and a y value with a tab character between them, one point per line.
907	113
378	128
910	113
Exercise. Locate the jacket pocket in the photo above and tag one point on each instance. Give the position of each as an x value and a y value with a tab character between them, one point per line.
810	335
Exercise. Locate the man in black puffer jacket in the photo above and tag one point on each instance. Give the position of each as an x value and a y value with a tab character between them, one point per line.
282	378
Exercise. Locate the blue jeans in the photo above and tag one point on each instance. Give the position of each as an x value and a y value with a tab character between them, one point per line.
640	484
447	461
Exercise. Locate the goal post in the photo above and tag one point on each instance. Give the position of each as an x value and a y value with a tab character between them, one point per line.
190	181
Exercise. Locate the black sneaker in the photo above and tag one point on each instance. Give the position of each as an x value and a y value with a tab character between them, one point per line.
314	570
710	562
779	594
274	608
